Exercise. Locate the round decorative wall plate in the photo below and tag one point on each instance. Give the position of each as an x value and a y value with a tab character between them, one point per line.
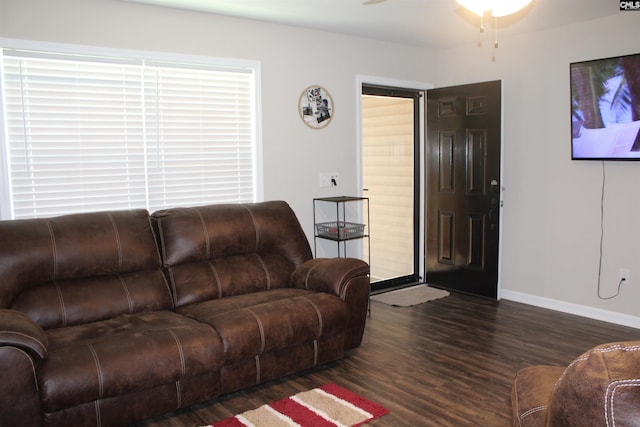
316	107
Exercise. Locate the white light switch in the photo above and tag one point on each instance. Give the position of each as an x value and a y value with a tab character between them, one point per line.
329	179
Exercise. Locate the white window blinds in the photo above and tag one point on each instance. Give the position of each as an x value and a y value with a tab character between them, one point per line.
87	133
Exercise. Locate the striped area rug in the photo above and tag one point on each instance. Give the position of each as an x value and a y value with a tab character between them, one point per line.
326	406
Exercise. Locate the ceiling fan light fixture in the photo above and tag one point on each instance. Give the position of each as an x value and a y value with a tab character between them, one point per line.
476	6
508	7
496	7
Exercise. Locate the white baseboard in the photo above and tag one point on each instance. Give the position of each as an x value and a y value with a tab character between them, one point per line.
565	307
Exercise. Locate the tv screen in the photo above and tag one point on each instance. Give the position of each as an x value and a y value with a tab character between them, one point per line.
605	108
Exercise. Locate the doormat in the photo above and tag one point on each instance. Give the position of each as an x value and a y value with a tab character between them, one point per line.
326	406
413	295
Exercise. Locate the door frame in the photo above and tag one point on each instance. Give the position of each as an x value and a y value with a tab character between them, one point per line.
424	86
409	85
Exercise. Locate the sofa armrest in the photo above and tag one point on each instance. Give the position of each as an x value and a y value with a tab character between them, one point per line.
18	330
332	275
347	278
531	395
23	344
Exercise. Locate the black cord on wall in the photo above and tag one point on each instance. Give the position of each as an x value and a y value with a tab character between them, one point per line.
602	239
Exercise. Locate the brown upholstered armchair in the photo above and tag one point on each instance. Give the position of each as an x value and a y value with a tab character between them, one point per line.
599	388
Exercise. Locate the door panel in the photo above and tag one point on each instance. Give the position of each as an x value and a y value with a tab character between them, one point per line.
476	156
445	164
463	174
446	242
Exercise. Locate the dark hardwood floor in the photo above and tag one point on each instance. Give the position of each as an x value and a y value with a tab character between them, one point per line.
448	362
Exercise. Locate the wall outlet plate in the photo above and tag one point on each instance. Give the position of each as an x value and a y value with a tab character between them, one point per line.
624	274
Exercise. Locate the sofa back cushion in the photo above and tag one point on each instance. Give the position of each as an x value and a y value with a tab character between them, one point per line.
229	249
80	268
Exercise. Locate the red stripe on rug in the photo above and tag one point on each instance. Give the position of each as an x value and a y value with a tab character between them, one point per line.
300	414
359	401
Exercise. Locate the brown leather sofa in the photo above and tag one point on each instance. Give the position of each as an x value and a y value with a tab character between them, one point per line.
599	388
111	317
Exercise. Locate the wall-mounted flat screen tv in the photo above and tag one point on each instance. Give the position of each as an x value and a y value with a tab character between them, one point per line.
605	108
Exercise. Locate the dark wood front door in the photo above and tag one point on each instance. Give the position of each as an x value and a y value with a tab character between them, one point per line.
463	187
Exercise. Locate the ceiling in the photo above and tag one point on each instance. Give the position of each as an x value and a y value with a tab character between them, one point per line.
437	24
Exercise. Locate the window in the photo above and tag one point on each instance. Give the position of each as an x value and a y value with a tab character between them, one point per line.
85	132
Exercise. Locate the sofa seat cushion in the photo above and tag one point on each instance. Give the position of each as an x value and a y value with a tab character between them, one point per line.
261	322
123	355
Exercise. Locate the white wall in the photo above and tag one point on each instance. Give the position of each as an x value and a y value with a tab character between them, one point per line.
291	59
551	218
551	215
